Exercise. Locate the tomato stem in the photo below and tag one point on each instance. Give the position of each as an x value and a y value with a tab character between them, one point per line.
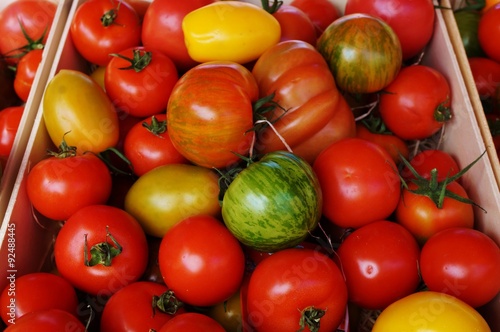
271	9
156	127
138	62
64	150
443	112
166	302
103	252
33	44
311	319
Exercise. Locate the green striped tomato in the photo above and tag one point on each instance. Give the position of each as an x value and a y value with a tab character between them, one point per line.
274	203
363	52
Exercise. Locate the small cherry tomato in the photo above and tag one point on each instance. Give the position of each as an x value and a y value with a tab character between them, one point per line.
26	72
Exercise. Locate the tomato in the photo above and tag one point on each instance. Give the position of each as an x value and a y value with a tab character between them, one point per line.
167	16
397	14
229	31
139	81
273	203
210	114
294	23
139	306
462	262
432	312
48	320
36	291
488	4
25	73
201	261
168	194
102	27
100	249
148	145
426	160
489	31
486	75
417	103
75	106
363	52
25	26
294	283
229	312
380	264
321	12
192	322
467	24
359	181
10	118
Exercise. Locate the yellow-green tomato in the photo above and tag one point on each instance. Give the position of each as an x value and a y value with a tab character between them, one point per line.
77	109
229	30
168	194
430	312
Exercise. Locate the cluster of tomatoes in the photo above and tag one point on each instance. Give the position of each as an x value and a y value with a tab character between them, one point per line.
229	166
479	26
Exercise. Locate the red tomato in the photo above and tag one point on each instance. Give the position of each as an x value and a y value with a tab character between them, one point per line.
320	12
192	322
417	103
25	26
36	291
101	249
398	13
462	262
25	73
162	30
139	81
295	24
102	27
148	145
359	181
201	261
489	32
59	186
293	283
153	306
427	160
380	264
10	118
486	75
48	320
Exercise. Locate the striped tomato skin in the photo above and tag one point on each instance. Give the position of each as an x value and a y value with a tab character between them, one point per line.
363	52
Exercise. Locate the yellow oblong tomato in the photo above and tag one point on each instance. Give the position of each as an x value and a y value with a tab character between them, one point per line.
430	312
77	108
229	30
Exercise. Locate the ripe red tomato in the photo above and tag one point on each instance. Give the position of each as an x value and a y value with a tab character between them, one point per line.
59	186
489	32
100	249
426	160
398	14
295	24
380	264
102	27
462	262
139	81
320	12
359	181
25	26
148	145
25	73
417	103
292	283
192	322
201	261
48	320
162	30
36	291
10	118
486	75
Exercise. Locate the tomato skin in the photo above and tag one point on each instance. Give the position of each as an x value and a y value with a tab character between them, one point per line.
192	322
213	99
417	103
320	12
462	262
142	93
425	161
25	73
48	320
56	292
430	311
489	31
355	194
380	264
291	280
397	13
56	190
486	75
468	24
91	224
75	107
10	118
420	215
295	24
201	272
94	40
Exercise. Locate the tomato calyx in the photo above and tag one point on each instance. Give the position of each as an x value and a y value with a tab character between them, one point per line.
33	44
311	319
166	303
443	112
103	252
376	125
156	127
271	8
138	62
109	17
64	150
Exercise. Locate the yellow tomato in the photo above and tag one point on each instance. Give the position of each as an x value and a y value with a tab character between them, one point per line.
77	109
488	4
229	30
98	76
430	312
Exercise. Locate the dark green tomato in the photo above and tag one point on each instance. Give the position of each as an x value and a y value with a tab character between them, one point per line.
467	23
274	203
